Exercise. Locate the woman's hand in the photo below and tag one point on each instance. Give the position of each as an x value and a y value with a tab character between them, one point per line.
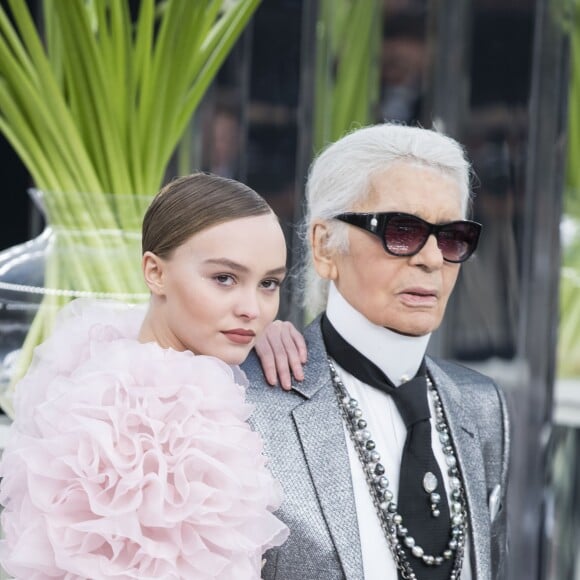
281	350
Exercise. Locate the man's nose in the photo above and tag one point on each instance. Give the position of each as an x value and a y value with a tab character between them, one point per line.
430	255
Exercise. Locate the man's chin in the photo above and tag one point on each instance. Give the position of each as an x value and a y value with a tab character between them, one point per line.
415	328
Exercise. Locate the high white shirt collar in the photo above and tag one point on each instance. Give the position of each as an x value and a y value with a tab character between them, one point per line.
397	355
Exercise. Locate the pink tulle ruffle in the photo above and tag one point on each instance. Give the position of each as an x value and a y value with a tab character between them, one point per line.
127	460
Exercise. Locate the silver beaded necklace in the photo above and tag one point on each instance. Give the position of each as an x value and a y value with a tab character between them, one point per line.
392	523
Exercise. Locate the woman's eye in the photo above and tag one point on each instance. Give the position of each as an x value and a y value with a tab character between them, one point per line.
224	279
271	284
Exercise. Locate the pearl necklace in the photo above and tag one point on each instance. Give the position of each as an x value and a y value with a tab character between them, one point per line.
391	521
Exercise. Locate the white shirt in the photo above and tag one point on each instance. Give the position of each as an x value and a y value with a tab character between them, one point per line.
384	422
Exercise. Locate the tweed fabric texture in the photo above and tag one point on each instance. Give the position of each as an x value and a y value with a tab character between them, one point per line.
306	446
478	418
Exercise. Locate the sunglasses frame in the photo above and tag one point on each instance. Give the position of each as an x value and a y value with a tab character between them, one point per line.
376	224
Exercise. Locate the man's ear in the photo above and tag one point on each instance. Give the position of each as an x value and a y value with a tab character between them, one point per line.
153	272
323	256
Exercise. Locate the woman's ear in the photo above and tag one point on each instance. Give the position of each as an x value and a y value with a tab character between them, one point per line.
153	270
323	256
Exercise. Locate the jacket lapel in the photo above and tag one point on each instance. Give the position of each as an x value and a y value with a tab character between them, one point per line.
468	448
321	433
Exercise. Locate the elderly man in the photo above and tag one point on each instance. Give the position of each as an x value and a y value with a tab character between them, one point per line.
393	464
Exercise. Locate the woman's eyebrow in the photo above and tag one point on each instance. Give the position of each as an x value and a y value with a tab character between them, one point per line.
227	263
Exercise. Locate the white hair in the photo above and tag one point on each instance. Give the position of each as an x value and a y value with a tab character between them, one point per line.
340	178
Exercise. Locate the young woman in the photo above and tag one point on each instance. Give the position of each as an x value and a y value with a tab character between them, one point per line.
130	455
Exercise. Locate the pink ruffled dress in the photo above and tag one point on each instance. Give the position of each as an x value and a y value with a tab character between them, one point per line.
127	460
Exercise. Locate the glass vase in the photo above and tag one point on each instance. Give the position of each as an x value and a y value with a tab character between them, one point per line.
86	250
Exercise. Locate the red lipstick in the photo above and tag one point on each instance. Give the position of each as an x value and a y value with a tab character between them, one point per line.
240	335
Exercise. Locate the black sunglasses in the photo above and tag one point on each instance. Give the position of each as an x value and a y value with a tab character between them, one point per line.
404	234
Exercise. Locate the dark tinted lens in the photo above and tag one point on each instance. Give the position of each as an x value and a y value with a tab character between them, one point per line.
457	241
404	235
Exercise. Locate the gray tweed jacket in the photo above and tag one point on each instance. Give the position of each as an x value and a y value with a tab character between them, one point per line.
306	446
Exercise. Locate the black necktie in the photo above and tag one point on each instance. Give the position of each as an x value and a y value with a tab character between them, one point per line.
418	464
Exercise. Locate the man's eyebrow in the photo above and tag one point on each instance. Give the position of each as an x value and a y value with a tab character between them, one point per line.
241	268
